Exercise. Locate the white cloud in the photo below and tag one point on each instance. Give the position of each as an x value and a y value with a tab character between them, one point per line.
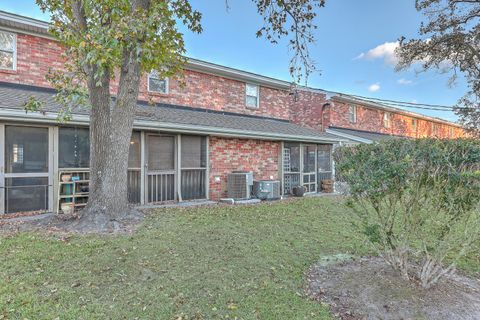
374	87
384	51
404	81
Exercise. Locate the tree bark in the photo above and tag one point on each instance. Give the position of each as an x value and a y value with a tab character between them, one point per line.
111	124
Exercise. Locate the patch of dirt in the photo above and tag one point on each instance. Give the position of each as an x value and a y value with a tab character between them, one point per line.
74	223
368	288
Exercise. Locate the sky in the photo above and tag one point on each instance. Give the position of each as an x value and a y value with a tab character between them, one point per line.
354	48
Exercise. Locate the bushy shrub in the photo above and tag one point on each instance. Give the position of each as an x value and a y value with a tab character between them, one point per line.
416	200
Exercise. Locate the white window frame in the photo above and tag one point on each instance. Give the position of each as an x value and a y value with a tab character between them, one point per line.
387	120
151	75
451	132
14	52
435	129
258	95
352	111
414	124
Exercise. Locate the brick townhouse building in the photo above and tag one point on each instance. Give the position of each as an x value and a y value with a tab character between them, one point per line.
186	140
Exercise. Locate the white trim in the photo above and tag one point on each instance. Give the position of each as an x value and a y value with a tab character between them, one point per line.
14	52
257	87
348	136
151	76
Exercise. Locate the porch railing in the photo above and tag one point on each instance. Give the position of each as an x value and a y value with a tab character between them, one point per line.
161	186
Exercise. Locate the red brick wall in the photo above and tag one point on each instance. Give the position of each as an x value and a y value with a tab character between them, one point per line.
35	55
227	155
308	109
369	119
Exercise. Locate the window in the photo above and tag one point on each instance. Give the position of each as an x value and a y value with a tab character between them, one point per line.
435	129
8	47
387	119
451	132
414	124
157	84
352	113
251	95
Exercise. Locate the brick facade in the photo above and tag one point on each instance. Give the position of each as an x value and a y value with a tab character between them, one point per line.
313	110
227	155
309	108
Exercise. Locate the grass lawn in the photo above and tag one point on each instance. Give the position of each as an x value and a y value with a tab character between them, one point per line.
221	262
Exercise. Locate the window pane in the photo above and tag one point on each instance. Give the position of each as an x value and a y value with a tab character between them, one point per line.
194	152
134	152
7	41
6	60
74	148
251	101
252	90
161	153
157	85
26	149
26	194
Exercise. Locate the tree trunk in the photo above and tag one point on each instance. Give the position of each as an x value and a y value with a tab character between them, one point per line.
111	125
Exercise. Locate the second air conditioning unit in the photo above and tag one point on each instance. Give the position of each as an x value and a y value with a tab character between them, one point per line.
266	189
239	185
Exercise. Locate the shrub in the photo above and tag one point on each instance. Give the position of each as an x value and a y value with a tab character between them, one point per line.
416	200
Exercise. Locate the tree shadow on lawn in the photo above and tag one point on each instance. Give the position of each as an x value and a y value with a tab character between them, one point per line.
368	288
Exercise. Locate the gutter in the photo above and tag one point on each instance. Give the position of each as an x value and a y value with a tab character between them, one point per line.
84	120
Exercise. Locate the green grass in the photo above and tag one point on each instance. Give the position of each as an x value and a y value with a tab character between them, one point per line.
222	262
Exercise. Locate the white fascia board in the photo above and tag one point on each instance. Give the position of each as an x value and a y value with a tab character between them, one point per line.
348	136
17	115
235	74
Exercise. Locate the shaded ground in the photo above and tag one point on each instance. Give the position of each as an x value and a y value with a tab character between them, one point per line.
367	288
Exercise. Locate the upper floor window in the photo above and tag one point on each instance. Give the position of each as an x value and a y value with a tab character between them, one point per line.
414	124
352	113
252	99
156	83
8	48
387	119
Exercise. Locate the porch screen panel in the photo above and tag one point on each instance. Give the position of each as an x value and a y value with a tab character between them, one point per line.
309	175
193	167
26	149
161	153
324	158
161	168
73	148
291	167
26	194
134	169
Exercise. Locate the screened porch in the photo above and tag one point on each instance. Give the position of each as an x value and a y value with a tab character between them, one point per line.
46	168
306	165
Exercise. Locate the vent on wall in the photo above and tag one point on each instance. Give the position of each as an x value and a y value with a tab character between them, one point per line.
239	185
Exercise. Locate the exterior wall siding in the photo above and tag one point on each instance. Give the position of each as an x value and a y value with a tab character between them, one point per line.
36	55
227	155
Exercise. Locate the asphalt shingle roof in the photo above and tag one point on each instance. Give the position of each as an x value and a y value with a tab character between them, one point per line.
14	96
372	136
